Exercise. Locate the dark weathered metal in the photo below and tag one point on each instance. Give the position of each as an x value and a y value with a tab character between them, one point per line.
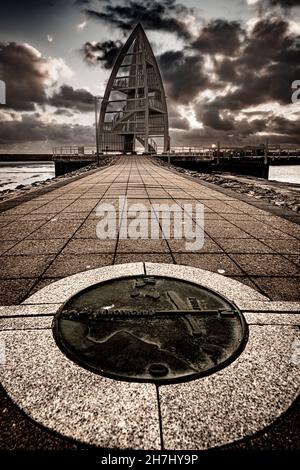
150	329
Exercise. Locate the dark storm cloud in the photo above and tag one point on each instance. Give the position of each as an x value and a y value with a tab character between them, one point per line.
219	36
34	15
244	127
183	75
265	69
283	126
165	15
176	66
25	74
31	129
64	112
68	97
226	70
226	122
245	131
284	3
267	41
211	118
176	121
179	123
101	52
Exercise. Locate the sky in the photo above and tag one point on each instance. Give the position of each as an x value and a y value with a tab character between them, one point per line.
227	66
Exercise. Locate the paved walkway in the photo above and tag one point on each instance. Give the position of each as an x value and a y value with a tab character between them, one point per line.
54	235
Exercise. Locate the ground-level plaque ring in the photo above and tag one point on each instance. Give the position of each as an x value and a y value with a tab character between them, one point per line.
238	400
150	329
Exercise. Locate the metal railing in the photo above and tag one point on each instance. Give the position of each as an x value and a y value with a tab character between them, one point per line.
131	106
152	79
153	144
155	103
236	152
74	150
129	82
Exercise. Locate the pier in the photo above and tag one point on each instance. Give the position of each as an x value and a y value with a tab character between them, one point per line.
252	161
40	234
53	236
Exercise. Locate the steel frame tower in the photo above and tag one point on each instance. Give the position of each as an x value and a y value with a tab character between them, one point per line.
134	105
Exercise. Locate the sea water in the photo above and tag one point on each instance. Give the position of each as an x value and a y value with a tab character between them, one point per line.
13	174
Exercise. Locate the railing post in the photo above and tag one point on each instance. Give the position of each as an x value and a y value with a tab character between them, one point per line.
96	128
218	153
266	152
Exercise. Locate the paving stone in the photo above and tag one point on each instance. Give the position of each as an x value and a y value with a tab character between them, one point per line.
19	229
56	229
224	230
279	288
265	264
220	263
294	258
247	395
211	216
67	264
13	291
24	266
78	246
245	280
4	223
88	230
5	245
254	318
34	216
37	247
82	205
52	207
143	257
278	307
179	246
243	245
282	246
142	246
29	310
18	211
72	215
75	402
240	216
34	323
4	216
284	225
226	286
260	230
221	207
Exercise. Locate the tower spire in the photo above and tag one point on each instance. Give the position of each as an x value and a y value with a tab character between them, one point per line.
134	107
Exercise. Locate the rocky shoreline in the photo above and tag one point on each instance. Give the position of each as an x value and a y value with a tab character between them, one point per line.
285	195
21	189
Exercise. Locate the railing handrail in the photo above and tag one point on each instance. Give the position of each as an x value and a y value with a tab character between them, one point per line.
74	150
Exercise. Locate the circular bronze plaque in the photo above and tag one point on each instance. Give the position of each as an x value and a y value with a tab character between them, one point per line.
150	329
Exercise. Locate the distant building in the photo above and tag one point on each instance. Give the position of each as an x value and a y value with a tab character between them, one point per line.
134	104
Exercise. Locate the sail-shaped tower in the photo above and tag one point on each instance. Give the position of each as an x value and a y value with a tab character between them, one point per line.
134	105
